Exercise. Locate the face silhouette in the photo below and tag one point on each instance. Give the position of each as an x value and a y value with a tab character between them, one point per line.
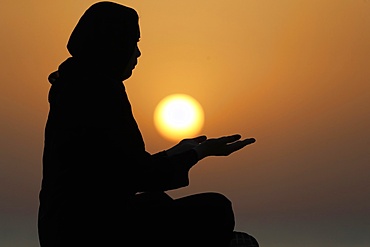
134	58
132	62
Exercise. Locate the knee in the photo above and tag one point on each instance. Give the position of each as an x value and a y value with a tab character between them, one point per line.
219	199
222	205
221	214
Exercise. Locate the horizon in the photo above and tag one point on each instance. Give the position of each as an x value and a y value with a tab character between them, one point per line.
292	74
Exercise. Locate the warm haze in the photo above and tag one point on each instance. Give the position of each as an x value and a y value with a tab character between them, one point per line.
294	74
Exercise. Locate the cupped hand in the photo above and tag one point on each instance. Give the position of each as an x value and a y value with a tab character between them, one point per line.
185	145
222	146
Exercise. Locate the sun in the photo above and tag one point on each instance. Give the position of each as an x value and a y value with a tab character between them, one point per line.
178	116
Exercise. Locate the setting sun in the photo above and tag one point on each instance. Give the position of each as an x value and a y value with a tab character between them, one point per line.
178	116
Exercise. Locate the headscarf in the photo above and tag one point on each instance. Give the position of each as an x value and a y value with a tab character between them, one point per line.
105	37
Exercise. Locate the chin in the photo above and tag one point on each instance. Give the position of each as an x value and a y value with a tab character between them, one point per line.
127	75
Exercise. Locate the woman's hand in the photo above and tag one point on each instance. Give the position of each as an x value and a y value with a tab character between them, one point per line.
222	146
186	145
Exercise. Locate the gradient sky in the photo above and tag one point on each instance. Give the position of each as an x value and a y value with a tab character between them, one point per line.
294	74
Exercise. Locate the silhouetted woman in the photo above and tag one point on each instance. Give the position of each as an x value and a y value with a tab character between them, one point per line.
95	163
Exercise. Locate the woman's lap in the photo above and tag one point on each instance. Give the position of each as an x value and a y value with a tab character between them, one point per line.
204	218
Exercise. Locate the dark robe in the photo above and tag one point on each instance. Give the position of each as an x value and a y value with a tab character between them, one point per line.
94	156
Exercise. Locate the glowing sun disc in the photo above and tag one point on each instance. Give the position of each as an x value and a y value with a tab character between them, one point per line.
178	116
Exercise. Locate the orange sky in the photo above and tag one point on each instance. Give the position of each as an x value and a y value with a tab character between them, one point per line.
294	74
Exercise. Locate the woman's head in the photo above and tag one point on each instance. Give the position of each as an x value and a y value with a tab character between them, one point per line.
106	35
